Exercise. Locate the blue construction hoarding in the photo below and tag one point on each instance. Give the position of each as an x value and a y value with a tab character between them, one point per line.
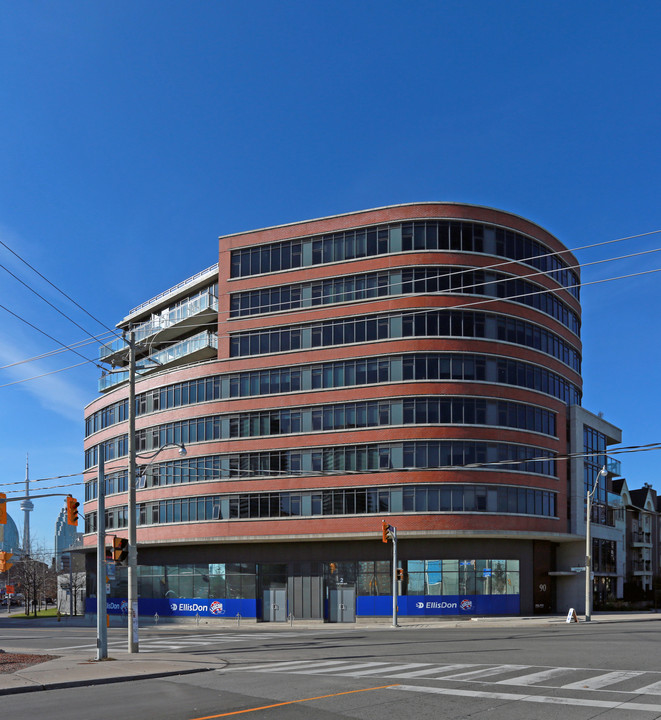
366	606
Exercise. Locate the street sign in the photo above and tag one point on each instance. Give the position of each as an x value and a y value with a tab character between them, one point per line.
579	569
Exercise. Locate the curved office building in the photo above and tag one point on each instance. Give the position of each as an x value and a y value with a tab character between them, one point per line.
413	364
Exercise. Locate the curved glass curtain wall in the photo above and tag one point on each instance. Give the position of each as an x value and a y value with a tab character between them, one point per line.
409	281
452	235
364	457
394	326
431	498
340	374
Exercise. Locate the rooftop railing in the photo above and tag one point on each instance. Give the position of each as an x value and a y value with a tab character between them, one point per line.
173	290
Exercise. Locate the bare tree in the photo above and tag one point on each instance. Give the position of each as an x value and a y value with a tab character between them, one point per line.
74	584
35	578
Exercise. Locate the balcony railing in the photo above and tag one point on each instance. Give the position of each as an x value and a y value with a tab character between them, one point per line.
185	347
168	318
641	537
642	566
111	348
111	379
613	466
178	351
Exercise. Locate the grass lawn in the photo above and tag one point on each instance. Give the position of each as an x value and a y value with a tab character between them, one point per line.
51	612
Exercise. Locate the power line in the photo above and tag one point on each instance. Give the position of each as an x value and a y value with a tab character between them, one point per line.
408	311
48	302
52	372
451	291
51	353
50	337
43	277
47	479
340	473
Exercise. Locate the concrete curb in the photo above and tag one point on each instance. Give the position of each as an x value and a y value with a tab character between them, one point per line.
101	681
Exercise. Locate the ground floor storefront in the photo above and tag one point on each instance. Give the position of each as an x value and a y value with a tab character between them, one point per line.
336	581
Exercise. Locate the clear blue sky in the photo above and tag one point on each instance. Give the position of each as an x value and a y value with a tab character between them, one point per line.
133	134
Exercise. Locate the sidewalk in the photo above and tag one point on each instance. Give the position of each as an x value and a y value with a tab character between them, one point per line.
67	671
74	670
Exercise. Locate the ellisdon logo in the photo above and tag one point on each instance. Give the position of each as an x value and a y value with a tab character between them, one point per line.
122	606
188	607
444	605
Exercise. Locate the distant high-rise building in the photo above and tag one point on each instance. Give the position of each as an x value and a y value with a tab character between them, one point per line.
9	538
66	536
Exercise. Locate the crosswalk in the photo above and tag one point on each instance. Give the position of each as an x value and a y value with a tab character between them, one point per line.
183	642
640	682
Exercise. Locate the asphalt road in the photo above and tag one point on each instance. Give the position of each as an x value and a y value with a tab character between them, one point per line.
547	672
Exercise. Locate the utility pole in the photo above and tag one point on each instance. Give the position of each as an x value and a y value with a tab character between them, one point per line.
132	529
588	547
101	603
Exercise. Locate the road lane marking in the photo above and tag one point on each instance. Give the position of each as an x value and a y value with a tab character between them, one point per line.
376	671
430	671
286	666
653	689
342	669
292	702
177	642
600	681
545	699
536	677
484	672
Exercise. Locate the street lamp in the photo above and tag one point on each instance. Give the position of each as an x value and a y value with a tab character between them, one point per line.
588	548
141	470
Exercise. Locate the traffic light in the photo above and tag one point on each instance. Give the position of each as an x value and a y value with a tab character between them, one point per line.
400	573
120	550
4	561
3	509
72	510
110	553
388	531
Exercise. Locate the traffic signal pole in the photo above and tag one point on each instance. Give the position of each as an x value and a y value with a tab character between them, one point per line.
389	533
394	576
101	603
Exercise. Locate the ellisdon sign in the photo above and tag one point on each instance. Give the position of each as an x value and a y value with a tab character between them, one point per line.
215	607
458	605
466	605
